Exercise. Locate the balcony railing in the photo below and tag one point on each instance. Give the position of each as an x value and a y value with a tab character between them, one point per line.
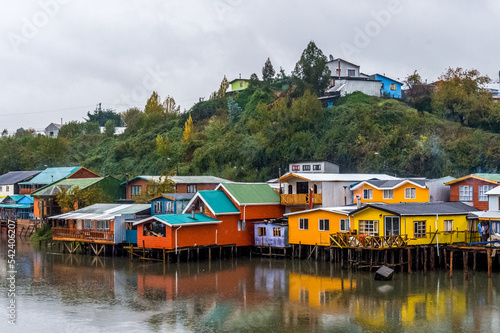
83	235
300	199
348	240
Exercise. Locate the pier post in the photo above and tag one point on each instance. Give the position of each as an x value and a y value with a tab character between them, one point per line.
466	264
331	254
163	254
474	253
210	254
432	258
300	250
417	266
425	260
451	264
409	259
316	252
401	260
445	259
490	261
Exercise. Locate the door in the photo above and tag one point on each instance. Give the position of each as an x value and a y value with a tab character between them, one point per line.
392	225
302	187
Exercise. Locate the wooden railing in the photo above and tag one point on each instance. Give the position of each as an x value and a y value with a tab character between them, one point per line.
300	199
59	233
346	240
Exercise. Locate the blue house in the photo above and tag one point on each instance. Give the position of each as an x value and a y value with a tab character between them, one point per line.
390	88
170	203
17	207
271	233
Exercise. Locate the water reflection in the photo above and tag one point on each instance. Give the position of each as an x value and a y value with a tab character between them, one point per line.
68	292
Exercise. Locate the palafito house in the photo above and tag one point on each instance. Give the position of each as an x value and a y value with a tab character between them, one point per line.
391	191
421	223
472	188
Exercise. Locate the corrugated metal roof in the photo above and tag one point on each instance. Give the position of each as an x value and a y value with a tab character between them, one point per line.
252	193
181	219
346	210
104	211
2	205
336	177
422	209
218	202
53	189
485	215
15	177
185	179
392	184
50	175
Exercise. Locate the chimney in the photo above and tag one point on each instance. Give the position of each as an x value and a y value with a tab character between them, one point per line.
192	214
358	202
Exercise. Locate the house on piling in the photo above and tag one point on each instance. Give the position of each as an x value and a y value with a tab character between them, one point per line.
170	203
17	207
472	189
391	191
271	233
9	182
103	224
218	217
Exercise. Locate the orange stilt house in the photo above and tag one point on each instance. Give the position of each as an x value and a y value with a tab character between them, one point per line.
212	218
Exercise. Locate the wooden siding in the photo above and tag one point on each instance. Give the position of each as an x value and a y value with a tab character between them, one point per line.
135	182
313	236
421	194
83	173
301	199
475	183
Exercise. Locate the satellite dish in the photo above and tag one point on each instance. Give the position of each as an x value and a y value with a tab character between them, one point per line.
331	58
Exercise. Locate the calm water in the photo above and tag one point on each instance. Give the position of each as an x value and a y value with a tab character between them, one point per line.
64	293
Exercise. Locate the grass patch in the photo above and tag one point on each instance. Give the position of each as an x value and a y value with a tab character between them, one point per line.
43	233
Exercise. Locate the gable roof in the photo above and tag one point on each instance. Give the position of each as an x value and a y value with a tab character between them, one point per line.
251	193
50	175
385	77
335	177
183	179
217	201
181	219
54	188
14	177
104	211
489	177
422	209
391	184
174	196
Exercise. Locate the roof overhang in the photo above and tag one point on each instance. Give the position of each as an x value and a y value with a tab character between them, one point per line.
471	176
174	224
403	182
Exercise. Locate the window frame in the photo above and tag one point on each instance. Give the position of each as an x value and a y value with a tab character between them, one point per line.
466	193
158	207
295	167
316	167
105	225
482	189
412	191
367	191
261	231
324	224
343	223
191	188
393	87
135	190
169	207
420	229
276	232
391	194
448	226
306	167
369	227
303	224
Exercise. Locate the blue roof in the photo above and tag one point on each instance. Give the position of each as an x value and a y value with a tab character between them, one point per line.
183	219
218	202
50	175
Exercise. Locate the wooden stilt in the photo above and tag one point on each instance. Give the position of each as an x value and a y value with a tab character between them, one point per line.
198	254
316	253
432	258
163	255
409	259
143	249
466	264
490	261
417	266
451	264
331	254
371	260
445	256
474	253
210	254
300	250
425	260
401	260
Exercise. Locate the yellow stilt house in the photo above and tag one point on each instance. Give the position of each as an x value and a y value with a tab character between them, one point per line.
393	225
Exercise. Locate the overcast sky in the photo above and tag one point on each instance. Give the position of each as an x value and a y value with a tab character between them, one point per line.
60	58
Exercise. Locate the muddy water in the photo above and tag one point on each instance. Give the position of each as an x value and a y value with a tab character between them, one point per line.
73	293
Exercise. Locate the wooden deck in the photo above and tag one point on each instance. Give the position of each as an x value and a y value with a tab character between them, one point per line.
347	240
65	234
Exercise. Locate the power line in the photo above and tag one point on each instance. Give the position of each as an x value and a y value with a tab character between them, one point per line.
45	111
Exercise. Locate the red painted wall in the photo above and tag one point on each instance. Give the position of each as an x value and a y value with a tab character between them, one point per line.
455	191
83	173
135	182
182	188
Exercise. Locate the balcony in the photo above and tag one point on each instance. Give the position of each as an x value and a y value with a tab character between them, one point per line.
82	235
300	199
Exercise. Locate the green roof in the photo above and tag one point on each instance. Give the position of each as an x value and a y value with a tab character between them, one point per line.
50	175
252	194
218	202
55	188
491	176
185	219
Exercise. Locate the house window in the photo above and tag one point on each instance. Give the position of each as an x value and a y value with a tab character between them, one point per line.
448	226
1	188
136	189
388	194
158	207
317	167
155	229
103	225
276	232
368	227
306	167
419	229
7	188
304	296
290	189
465	193
241	225
191	189
324	225
351	72
169	207
296	167
303	224
88	225
482	192
410	193
368	193
261	231
344	225
241	84
393	86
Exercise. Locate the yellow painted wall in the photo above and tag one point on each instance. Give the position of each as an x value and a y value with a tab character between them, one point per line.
313	236
407	226
421	194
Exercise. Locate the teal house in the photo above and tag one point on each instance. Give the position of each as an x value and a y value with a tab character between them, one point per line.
390	87
170	203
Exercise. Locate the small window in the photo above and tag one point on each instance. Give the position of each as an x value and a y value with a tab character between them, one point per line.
368	193
276	232
158	207
241	84
344	225
419	229
324	225
136	189
191	189
290	189
388	194
482	192
7	188
241	225
410	193
393	86
88	225
317	167
303	224
261	231
448	226
351	72
465	193
296	167
306	167
169	207
368	227
103	225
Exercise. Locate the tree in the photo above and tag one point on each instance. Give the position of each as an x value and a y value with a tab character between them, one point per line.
101	116
188	130
253	82
419	93
169	106
268	71
311	70
75	197
153	105
155	188
109	128
458	92
130	116
72	129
